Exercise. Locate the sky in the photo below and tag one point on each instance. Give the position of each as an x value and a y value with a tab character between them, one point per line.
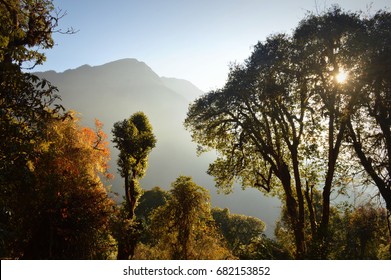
195	40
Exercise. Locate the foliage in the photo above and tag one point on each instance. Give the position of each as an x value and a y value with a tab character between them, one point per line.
26	24
263	248
355	233
183	228
26	104
238	230
149	201
360	233
134	139
281	121
369	127
67	196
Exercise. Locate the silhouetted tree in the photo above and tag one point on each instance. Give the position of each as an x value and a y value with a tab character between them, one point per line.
369	127
280	122
26	105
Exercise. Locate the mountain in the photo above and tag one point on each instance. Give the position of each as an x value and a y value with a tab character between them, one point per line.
114	91
182	86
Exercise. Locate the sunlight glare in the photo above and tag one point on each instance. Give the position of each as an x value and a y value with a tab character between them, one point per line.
342	76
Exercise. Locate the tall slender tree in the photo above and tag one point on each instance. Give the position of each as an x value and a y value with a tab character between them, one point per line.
134	139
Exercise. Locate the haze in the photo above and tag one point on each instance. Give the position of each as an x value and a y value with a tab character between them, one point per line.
190	42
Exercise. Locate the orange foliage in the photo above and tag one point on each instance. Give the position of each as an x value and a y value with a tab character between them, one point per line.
71	162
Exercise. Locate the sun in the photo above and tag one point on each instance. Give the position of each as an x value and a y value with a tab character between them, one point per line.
341	76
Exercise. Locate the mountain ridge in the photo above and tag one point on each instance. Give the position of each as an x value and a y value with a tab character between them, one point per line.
128	70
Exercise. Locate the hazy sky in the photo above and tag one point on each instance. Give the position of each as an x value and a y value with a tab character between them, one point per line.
189	39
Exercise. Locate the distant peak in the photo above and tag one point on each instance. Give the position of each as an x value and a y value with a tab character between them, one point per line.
124	61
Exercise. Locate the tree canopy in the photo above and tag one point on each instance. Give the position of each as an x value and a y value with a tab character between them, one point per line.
281	121
27	103
183	228
237	229
307	115
134	139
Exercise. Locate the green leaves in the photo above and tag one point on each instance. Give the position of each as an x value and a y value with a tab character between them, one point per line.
183	227
281	121
135	140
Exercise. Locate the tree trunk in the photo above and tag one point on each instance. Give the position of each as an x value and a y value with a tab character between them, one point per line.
333	153
291	204
384	189
311	210
132	198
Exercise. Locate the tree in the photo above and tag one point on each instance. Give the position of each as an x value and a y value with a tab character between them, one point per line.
366	232
183	228
149	201
26	24
359	232
238	230
26	102
280	120
134	139
263	248
255	128
369	127
67	196
328	44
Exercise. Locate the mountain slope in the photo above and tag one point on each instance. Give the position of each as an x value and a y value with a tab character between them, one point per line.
114	91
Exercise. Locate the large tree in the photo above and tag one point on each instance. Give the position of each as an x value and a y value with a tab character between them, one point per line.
255	128
369	127
327	49
26	102
280	120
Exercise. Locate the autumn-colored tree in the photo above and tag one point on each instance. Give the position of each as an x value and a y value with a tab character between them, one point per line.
184	228
134	139
68	197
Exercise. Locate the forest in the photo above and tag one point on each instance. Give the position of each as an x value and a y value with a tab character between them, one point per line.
306	118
